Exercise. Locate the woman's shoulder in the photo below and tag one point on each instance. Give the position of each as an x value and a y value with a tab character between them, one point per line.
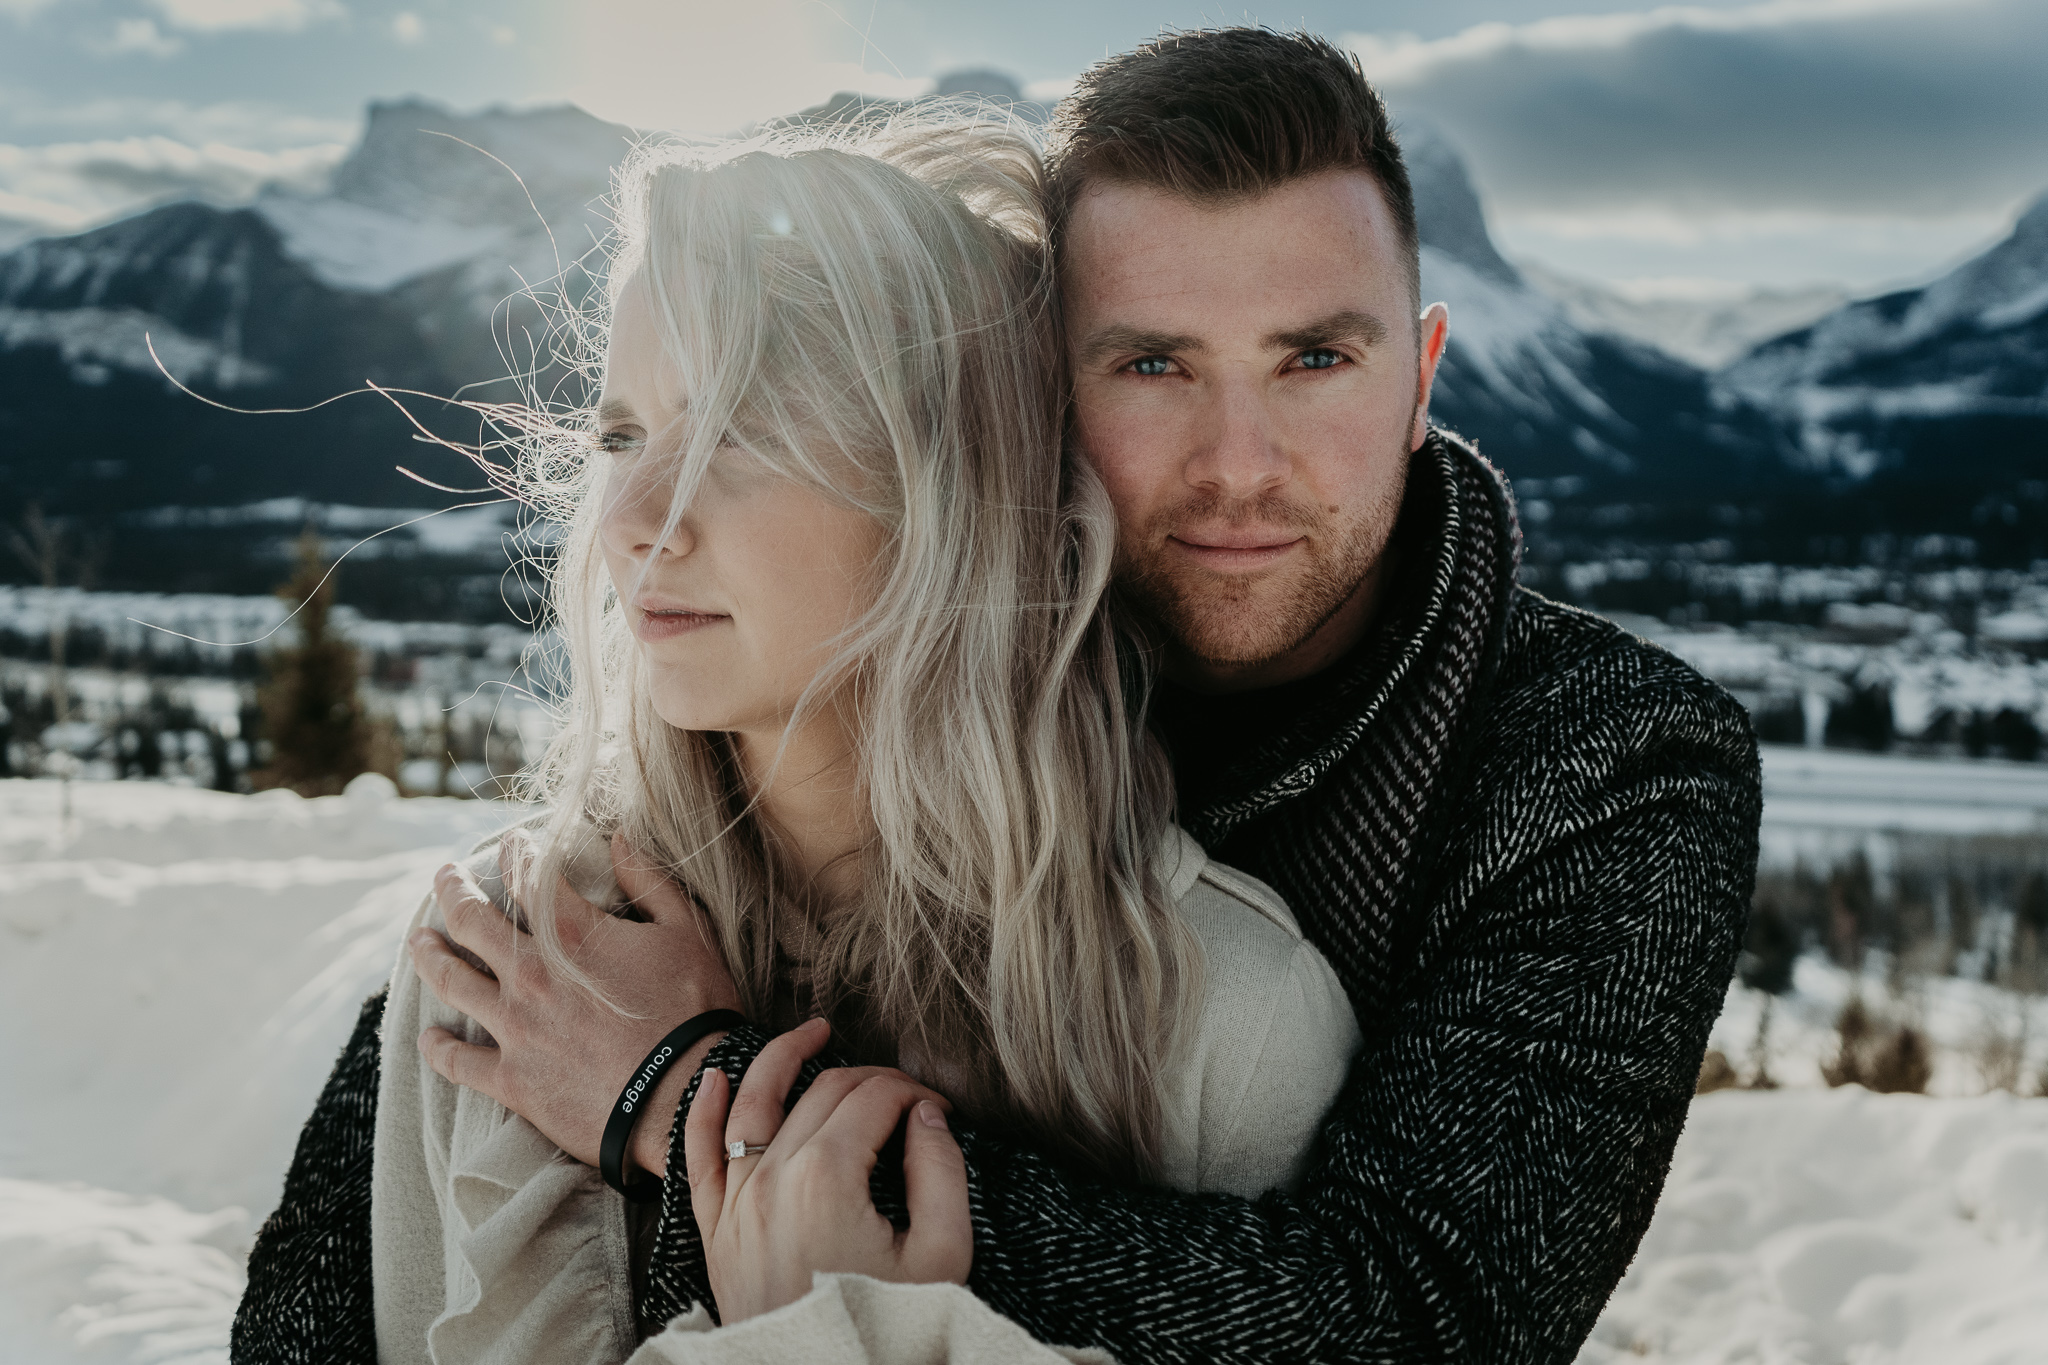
585	850
1220	901
1270	1042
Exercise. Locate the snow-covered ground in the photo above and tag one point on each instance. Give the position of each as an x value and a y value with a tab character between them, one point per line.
1808	1226
180	967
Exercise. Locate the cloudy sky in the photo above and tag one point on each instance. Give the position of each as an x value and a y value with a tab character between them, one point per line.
1854	142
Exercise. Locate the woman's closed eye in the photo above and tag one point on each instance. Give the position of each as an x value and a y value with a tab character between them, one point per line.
619	440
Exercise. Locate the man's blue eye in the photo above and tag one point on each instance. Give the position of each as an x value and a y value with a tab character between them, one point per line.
1151	365
1319	359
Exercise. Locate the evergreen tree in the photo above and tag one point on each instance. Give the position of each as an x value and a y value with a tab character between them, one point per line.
319	736
1770	950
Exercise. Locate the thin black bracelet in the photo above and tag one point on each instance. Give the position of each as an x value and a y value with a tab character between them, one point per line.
611	1152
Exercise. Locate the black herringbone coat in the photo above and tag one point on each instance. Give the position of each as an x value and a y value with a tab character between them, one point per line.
1526	841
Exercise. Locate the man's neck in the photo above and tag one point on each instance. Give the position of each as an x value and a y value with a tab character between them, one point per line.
1339	632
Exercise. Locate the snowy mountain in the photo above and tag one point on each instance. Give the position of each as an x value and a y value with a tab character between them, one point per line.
407	273
1918	381
1547	398
409	269
1706	326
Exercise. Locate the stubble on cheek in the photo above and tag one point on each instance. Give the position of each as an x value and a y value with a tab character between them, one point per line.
1243	619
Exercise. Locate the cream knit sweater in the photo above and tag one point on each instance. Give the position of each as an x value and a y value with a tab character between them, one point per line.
490	1245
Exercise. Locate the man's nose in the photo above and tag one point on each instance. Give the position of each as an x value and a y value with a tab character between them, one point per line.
1239	455
635	519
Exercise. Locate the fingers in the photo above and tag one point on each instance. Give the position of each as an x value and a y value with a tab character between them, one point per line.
863	1122
473	921
757	1109
466	1064
454	982
519	865
826	1093
940	1242
704	1149
660	899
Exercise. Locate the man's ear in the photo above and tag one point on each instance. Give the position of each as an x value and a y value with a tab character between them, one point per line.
1435	329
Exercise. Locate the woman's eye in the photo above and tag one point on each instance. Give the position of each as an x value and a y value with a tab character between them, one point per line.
1319	358
1151	365
618	441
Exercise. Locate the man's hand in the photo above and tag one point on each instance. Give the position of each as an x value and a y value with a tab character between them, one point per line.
769	1221
562	1056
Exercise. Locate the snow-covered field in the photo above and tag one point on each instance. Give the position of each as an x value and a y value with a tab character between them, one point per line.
180	967
178	971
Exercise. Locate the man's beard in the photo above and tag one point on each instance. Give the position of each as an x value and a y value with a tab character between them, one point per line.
1233	619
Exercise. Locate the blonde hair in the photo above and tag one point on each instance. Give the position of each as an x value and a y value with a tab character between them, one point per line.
881	299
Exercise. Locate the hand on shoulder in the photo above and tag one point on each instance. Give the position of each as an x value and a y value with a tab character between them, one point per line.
560	1055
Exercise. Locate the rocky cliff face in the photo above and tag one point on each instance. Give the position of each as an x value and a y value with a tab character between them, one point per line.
410	273
1549	399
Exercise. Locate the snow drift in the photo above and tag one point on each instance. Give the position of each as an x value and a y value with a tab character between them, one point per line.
182	966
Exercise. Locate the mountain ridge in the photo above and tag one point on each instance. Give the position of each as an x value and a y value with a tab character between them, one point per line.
413	271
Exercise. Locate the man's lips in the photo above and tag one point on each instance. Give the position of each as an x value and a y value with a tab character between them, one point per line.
1227	550
666	622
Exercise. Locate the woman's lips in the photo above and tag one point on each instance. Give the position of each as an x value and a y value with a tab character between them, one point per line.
665	623
1235	552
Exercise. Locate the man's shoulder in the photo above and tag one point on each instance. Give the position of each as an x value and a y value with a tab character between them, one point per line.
1574	687
1552	647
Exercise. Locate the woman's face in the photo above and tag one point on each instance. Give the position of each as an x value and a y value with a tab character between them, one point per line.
739	605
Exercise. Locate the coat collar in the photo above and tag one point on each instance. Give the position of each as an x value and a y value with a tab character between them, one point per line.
1461	547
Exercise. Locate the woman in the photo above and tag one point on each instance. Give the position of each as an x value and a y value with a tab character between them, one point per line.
841	664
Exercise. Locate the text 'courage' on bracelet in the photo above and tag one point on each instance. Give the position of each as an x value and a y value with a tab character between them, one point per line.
618	1129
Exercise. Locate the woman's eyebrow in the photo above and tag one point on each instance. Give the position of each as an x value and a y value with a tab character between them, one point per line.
1348	325
614	410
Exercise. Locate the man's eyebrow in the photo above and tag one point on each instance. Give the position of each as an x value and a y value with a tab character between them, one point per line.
1137	341
614	410
1348	325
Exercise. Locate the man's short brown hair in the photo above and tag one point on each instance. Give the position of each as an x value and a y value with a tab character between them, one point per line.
1222	114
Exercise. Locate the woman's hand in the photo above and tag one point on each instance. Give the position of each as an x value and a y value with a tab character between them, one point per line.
769	1221
561	1056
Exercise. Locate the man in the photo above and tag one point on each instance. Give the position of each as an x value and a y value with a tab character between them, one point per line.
1524	839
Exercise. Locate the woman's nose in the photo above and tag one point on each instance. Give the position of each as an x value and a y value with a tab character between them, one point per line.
636	505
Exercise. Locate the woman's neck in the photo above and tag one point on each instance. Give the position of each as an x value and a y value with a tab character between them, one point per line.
808	790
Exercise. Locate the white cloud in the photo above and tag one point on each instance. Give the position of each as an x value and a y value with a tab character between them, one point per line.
24	9
65	187
1394	59
711	67
142	35
1050	91
1858	251
45	215
504	36
407	28
212	16
1924	108
260	126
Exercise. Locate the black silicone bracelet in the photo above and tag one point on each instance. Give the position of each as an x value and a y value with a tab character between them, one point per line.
611	1152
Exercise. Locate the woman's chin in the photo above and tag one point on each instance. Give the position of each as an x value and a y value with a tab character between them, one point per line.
691	713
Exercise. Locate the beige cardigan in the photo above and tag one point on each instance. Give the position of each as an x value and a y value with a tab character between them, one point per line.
491	1245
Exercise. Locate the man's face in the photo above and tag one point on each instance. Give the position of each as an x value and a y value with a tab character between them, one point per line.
1249	382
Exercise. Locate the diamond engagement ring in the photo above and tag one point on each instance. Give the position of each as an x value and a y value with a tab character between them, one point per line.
735	1150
